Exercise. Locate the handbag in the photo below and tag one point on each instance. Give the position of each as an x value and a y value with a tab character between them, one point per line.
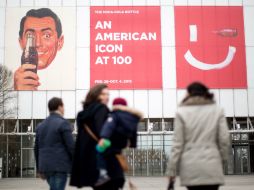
123	162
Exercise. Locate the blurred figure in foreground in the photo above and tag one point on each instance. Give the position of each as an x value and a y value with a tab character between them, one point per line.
54	146
91	119
201	141
118	132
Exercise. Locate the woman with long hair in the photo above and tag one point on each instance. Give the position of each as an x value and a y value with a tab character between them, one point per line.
201	141
94	114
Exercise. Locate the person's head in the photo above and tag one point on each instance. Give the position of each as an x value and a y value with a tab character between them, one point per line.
119	101
199	89
98	93
46	26
56	105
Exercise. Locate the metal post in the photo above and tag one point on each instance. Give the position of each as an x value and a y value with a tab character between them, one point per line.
21	157
249	124
35	169
234	124
6	145
249	162
162	144
133	162
7	157
147	164
2	127
32	126
1	168
162	124
161	151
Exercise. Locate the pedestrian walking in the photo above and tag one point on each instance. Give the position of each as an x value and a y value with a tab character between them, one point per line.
85	171
118	132
54	146
201	141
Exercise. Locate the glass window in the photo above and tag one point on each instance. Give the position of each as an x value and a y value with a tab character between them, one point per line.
168	125
14	153
25	125
155	125
3	153
36	123
10	125
142	126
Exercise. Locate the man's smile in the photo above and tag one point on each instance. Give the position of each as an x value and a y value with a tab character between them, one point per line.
42	52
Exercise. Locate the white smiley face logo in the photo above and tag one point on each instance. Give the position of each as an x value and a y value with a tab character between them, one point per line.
208	66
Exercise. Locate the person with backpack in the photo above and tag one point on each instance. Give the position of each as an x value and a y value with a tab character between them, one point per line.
118	132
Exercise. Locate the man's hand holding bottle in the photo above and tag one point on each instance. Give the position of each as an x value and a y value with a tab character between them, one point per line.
25	78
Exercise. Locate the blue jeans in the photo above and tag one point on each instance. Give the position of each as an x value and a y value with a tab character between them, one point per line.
56	181
101	162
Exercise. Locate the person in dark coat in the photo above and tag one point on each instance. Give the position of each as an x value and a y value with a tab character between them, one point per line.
54	146
118	132
84	169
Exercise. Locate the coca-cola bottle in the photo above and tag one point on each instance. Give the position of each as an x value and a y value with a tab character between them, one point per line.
227	32
30	54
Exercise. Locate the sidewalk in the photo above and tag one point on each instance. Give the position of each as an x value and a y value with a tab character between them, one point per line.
143	183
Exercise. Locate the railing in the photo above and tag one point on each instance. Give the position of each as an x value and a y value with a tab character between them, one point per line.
151	156
139	133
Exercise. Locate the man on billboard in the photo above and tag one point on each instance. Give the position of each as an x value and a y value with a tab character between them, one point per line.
40	38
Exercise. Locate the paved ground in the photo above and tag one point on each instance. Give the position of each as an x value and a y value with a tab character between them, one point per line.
143	183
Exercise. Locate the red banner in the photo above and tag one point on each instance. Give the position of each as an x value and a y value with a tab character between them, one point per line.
210	46
126	47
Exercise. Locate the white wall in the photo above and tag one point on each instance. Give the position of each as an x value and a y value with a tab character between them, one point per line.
154	103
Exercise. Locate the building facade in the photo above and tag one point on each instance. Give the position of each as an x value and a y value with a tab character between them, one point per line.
157	100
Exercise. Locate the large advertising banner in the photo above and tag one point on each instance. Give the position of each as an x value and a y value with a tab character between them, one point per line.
40	48
126	47
210	46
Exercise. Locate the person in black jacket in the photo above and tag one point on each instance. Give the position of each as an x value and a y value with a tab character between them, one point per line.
54	146
118	132
84	169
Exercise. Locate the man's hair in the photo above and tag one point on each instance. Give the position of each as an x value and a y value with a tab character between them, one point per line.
54	104
41	13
